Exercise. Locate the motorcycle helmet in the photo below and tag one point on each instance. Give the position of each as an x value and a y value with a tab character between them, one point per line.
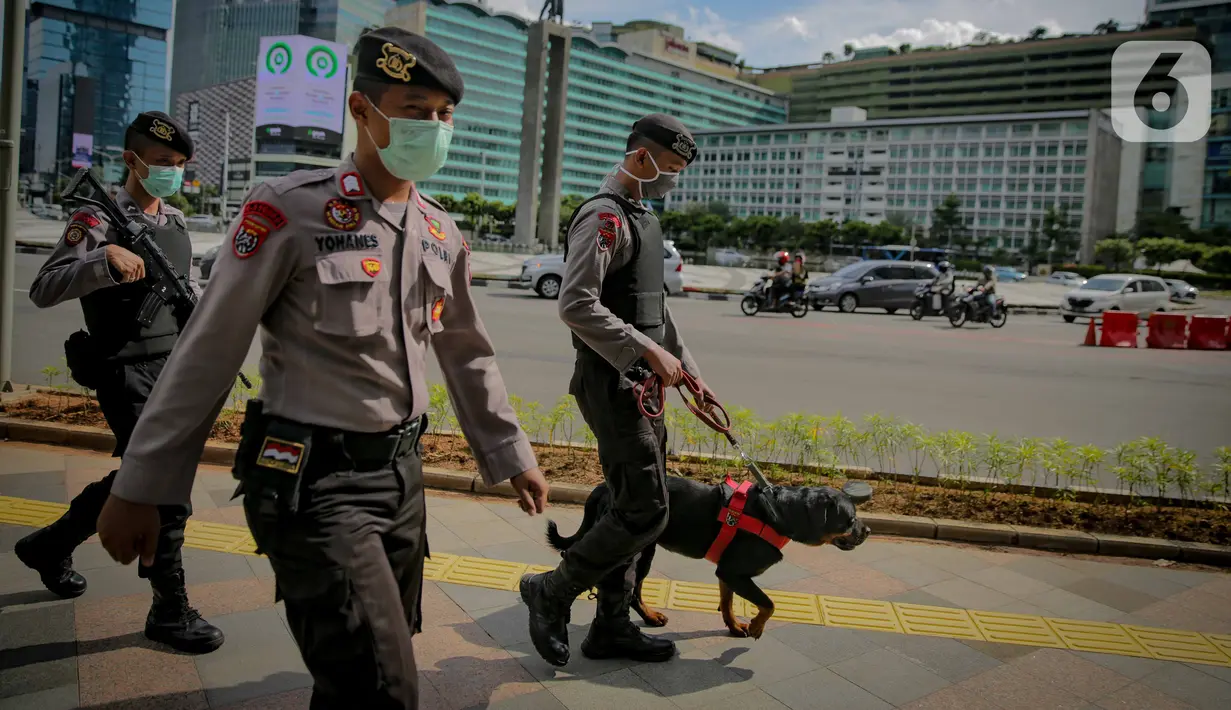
800	256
987	269
782	257
943	267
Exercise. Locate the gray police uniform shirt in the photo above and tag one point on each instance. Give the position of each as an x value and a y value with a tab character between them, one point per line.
322	268
78	266
619	343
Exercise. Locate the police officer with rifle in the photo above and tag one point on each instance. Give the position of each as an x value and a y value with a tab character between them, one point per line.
129	262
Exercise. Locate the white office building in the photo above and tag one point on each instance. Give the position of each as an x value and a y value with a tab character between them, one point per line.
1007	169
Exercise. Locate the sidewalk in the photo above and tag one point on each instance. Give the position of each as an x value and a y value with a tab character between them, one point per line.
475	652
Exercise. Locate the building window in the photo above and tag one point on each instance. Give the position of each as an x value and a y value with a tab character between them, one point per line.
1023	130
1077	128
997	131
1049	130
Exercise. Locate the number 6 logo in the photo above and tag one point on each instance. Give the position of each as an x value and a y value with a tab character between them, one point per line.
1161	92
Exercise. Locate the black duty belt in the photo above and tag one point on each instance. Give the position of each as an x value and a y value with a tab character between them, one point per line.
368	451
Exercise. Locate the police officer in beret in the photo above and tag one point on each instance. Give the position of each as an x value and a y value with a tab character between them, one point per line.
612	300
121	359
350	273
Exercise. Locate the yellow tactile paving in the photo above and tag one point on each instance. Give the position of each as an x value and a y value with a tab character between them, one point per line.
1172	645
937	621
862	614
1020	629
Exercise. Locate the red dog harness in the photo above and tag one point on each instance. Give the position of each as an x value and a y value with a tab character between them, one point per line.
733	519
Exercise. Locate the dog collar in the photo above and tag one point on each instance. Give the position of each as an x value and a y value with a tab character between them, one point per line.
733	520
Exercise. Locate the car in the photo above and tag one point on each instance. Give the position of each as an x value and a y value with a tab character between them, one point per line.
871	284
1115	292
544	274
1182	291
1066	278
1005	273
202	222
729	257
207	261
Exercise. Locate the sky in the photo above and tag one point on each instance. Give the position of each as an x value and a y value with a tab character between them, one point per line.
779	32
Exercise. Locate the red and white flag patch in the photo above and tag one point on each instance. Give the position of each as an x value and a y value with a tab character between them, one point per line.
281	455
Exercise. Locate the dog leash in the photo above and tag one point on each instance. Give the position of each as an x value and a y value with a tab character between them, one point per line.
710	412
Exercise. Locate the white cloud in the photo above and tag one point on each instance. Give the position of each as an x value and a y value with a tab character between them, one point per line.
930	32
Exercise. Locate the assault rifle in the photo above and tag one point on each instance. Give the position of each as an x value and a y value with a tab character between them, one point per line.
168	287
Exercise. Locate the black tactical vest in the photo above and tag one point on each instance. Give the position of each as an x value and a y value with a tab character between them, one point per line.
634	293
111	312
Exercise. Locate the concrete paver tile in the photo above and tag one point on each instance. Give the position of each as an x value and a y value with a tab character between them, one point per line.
862	583
1003	652
1201	602
114	581
822	689
967	594
438	609
538	700
226	515
491	532
579	667
1222	673
918	596
825	645
461	514
37	648
466	681
529	551
261	659
1006	581
1219	587
693	679
1201	690
1141	697
756	700
475	598
141	674
763	661
508	625
684	569
20	458
782	573
1044	570
947	658
1167	614
874	550
910	571
1014	689
890	676
1128	666
62	698
951	698
1067	605
1111	594
203	566
291	700
955	560
1155	582
261	569
618	690
1068	671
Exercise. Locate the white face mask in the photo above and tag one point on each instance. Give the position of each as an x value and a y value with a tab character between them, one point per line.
656	187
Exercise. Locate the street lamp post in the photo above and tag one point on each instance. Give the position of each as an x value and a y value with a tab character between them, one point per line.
483	174
10	135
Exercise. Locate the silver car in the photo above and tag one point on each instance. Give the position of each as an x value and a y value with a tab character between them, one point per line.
1182	291
545	273
871	284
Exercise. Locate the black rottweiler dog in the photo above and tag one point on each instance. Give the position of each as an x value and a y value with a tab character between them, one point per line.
807	515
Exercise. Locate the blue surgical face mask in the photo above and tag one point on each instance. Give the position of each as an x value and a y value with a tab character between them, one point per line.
163	181
417	149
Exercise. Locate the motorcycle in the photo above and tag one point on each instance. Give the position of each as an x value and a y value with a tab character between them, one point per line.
930	304
757	301
973	308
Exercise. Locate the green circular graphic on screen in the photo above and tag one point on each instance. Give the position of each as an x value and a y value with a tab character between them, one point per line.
322	62
278	58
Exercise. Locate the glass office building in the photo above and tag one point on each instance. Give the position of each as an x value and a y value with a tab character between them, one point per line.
609	88
92	65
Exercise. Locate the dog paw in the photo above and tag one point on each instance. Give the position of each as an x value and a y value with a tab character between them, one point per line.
739	630
755	630
656	619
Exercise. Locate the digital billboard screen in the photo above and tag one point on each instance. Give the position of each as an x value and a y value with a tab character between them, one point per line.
301	89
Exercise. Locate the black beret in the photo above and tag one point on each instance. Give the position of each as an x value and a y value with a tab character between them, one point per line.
668	132
392	55
161	128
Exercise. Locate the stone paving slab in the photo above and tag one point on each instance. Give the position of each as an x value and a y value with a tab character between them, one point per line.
474	652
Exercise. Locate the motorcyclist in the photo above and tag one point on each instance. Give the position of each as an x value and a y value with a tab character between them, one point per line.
799	276
987	284
943	284
779	277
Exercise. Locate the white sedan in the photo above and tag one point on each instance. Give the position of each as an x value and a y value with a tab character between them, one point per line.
1134	293
1066	278
545	273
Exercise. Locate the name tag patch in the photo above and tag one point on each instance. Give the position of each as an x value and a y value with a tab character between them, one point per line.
281	455
346	242
440	251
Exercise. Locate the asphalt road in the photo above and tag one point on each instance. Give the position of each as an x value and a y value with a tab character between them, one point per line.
1030	378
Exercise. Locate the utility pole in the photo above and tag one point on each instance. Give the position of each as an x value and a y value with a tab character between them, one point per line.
483	174
10	141
226	167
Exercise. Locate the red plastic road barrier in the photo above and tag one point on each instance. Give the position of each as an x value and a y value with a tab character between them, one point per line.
1167	330
1209	333
1119	330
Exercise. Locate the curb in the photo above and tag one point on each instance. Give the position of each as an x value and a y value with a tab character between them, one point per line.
909	526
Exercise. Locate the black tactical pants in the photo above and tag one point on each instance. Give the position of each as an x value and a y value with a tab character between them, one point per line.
122	392
632	450
348	562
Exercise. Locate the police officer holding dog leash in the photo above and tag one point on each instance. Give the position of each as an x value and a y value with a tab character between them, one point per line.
612	300
351	273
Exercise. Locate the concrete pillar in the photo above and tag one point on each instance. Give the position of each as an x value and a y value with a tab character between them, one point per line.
553	140
411	17
531	135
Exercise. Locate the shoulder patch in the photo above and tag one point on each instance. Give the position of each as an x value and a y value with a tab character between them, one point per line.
75	233
259	210
87	218
352	184
248	238
609	221
299	178
606	239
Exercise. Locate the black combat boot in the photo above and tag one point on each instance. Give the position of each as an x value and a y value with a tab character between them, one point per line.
614	635
50	553
173	622
550	602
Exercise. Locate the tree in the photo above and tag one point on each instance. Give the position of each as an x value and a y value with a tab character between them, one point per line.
885	233
900	219
1116	252
719	208
848	50
568	205
447	202
1162	251
855	232
828	57
791	232
948	225
1057	228
675	223
1105	28
471	208
1217	260
1037	33
981	37
904	48
1165	223
179	202
704	228
818	236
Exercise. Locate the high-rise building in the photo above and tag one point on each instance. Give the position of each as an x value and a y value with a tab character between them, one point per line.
1007	169
90	67
1212	17
609	87
1064	73
223	37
